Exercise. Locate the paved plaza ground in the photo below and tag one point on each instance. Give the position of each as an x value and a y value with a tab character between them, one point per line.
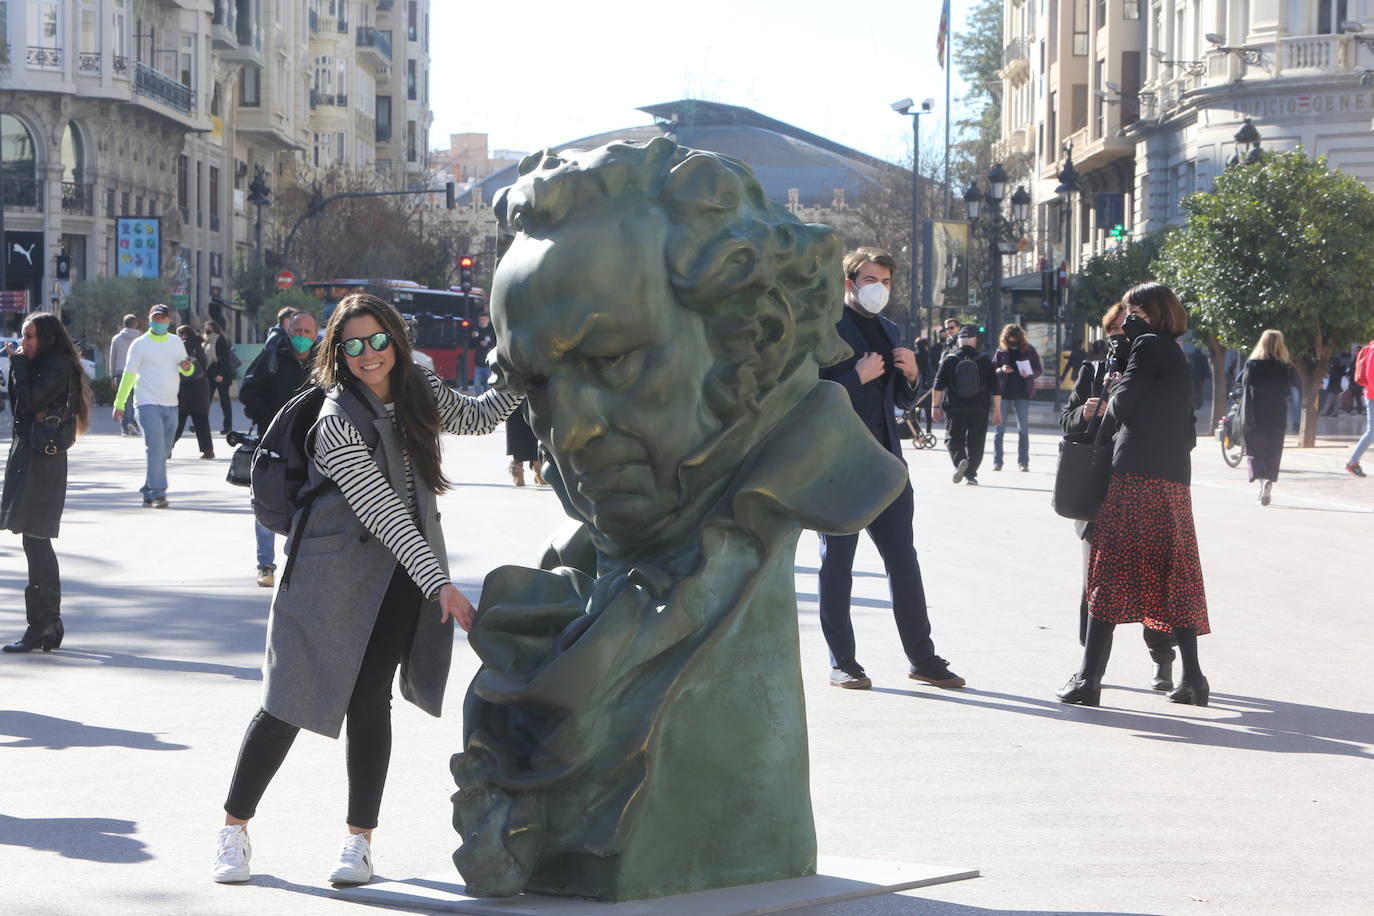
116	750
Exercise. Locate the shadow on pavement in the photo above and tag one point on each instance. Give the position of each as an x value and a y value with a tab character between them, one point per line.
1255	724
125	660
904	905
97	839
34	730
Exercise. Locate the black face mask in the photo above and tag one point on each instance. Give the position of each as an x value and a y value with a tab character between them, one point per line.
1134	326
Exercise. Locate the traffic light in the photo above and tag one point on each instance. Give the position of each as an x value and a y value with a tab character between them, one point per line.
465	273
451	195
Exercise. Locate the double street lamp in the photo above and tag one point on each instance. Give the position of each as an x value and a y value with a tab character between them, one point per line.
1002	233
1067	191
907	107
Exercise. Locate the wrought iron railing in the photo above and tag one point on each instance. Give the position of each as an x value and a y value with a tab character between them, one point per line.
1014	50
88	62
121	66
368	37
78	198
163	88
22	192
43	57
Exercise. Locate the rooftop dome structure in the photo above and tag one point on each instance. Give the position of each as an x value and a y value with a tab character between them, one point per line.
783	157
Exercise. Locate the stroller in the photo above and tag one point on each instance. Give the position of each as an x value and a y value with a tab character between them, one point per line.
911	419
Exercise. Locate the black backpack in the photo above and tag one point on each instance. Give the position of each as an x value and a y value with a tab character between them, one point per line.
968	380
281	461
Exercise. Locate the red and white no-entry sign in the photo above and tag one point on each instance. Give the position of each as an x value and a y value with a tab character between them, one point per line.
285	279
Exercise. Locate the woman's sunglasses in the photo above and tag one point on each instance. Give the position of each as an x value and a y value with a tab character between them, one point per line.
353	346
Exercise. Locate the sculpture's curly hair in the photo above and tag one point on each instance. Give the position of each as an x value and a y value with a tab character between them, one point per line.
770	286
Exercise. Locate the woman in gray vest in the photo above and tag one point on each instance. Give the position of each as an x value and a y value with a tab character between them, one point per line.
366	587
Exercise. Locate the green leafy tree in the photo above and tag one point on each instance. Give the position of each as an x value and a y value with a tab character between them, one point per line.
95	309
1285	243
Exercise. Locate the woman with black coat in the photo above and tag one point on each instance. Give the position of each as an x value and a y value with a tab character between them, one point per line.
193	397
1264	409
1144	566
1082	415
46	380
220	370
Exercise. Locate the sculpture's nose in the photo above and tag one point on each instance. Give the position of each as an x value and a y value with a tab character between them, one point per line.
576	417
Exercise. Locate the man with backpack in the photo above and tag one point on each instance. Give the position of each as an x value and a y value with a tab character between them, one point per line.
965	387
270	382
881	377
1364	376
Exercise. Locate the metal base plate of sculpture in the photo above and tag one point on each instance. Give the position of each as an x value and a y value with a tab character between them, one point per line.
637	728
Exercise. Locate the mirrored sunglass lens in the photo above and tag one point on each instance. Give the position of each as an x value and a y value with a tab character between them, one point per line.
353	346
379	341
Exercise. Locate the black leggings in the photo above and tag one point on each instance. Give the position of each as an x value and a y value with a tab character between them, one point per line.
268	738
42	561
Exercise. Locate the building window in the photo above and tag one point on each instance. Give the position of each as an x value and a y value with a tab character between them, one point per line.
410	80
200	203
1330	15
214	197
1100	104
1080	106
410	141
383	119
124	202
412	19
250	87
1130	9
1080	28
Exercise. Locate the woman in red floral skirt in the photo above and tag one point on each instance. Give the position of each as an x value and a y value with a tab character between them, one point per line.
1144	566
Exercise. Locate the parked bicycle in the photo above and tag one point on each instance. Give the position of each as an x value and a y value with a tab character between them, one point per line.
1231	431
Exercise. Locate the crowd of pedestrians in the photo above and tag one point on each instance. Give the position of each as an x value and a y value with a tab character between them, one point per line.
373	590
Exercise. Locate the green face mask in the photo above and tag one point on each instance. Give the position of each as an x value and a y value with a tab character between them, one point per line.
302	345
159	327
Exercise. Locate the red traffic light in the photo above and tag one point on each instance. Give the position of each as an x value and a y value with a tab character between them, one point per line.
465	261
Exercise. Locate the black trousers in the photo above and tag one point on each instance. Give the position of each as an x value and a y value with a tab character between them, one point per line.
892	535
965	436
368	730
225	402
200	422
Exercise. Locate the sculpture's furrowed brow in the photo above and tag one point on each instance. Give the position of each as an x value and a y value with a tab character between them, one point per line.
559	343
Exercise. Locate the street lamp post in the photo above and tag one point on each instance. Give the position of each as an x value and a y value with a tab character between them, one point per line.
905	107
996	228
1067	190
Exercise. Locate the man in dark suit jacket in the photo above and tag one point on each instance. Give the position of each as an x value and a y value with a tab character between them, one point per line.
881	377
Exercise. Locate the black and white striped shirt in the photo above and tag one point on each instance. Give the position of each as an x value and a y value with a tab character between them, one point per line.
343	457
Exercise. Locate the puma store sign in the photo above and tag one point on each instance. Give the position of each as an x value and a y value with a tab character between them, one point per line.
24	255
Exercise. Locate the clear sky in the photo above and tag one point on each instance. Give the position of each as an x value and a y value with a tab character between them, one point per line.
537	74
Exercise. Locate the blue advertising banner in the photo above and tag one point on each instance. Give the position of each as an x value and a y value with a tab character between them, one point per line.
138	246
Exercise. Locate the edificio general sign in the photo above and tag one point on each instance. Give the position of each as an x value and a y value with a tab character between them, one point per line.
1311	103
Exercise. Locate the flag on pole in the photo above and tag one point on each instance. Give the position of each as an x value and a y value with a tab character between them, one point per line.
942	36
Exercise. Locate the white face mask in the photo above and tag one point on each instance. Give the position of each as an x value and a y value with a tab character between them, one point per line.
872	298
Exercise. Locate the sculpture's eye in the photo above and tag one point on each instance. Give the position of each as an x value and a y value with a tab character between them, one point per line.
620	370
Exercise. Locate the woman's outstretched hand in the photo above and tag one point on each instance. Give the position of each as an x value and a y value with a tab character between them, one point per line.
454	605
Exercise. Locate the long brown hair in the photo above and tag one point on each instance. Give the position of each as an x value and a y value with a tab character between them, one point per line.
417	416
54	339
1013	336
1160	305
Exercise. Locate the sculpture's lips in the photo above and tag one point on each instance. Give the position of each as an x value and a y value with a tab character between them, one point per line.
609	481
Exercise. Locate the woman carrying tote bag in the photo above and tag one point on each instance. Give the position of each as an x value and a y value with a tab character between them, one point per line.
1144	565
1086	408
51	403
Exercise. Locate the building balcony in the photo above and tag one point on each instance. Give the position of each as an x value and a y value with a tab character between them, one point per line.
374	47
224	26
265	127
78	198
1012	145
154	85
22	193
1015	62
320	99
43	58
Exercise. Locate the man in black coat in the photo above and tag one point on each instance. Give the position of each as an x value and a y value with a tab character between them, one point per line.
278	372
965	388
881	378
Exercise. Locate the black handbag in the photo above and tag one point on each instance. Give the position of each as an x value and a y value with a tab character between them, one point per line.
1080	480
54	432
241	465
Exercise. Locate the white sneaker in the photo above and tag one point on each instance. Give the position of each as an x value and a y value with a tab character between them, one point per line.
960	470
231	859
355	861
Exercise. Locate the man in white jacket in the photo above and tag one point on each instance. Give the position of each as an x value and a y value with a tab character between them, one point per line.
154	367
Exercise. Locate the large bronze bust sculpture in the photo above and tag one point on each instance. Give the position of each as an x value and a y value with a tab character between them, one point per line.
638	728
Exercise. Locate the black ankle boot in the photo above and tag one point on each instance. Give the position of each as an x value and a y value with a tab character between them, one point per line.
1195	693
1162	673
45	628
1080	691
